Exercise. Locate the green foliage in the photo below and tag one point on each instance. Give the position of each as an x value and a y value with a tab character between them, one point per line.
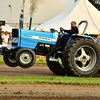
96	3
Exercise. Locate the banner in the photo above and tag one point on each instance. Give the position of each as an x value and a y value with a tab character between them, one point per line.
22	15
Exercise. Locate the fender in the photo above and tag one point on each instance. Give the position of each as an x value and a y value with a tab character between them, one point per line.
78	36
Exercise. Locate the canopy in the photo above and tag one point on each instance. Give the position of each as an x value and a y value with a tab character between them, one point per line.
44	10
78	11
68	2
7	28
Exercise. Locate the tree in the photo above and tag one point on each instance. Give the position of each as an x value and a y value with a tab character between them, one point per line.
96	3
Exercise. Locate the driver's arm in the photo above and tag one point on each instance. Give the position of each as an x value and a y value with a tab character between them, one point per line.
72	31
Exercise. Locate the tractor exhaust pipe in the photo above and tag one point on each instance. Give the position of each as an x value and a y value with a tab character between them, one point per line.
30	23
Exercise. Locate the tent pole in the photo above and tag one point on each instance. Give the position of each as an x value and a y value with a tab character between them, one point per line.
23	11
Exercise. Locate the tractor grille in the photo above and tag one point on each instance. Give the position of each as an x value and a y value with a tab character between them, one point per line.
14	37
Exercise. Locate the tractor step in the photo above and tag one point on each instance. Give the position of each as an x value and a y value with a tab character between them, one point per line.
59	52
53	59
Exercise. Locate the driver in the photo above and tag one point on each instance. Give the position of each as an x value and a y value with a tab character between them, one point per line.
74	29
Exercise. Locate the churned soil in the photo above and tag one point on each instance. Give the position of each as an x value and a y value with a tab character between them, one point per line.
44	90
49	91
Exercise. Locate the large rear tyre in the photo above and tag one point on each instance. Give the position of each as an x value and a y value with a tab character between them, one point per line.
9	58
25	57
55	67
82	57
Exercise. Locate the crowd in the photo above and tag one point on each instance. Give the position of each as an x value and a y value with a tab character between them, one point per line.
5	37
97	38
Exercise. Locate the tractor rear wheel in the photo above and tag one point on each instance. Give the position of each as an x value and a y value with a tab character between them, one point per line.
82	57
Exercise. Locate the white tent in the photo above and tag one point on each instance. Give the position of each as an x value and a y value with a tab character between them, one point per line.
80	10
68	2
7	28
45	10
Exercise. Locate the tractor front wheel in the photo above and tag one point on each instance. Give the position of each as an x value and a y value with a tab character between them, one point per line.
25	57
9	58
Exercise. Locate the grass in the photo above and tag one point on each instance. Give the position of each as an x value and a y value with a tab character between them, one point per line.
47	79
1	59
40	62
64	79
37	60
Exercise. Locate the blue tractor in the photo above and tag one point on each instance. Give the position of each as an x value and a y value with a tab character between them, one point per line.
80	56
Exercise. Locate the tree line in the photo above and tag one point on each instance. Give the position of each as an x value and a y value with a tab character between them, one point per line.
96	3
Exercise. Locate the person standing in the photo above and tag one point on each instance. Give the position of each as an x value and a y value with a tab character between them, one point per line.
98	39
41	58
10	37
0	39
5	37
2	33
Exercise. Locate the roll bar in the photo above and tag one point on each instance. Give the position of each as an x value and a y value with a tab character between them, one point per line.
85	26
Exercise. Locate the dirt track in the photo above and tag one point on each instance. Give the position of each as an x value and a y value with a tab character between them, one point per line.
49	91
44	91
36	70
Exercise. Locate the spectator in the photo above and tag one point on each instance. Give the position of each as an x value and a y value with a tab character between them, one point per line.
0	39
41	58
2	33
98	39
94	37
10	37
5	37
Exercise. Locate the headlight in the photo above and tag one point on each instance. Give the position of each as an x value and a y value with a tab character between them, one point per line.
15	40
